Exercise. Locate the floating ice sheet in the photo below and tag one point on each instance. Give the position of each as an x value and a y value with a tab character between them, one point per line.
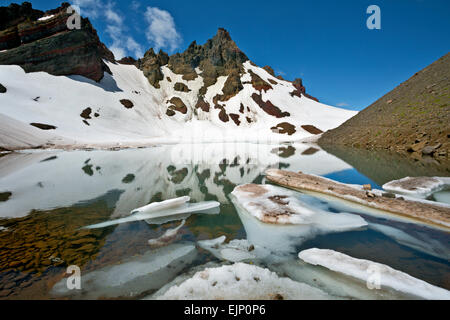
234	251
163	205
206	207
420	187
366	270
257	204
276	205
336	284
442	196
424	243
134	276
241	282
168	237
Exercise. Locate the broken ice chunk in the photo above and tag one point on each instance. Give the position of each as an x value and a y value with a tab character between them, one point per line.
373	273
279	220
420	187
421	241
442	196
241	282
163	205
234	251
134	276
205	207
168	237
276	205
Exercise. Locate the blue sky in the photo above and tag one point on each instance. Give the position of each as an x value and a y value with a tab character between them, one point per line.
326	43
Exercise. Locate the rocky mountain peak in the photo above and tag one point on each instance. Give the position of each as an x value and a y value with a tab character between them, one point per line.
219	56
14	14
48	45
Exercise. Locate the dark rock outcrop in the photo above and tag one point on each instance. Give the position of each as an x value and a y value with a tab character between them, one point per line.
181	87
312	129
43	126
258	83
177	105
151	65
219	56
235	118
269	70
284	128
202	104
127	103
2	89
48	45
269	107
128	60
301	90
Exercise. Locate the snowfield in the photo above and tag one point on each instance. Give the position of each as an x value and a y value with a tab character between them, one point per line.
124	110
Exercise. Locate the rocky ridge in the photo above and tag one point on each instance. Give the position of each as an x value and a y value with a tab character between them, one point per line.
210	92
41	41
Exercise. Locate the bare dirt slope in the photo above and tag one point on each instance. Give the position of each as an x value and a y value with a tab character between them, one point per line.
414	117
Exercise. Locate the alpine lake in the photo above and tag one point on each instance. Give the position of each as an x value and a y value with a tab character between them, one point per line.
48	196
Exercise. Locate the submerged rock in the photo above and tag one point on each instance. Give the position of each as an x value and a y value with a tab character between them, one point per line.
373	273
241	282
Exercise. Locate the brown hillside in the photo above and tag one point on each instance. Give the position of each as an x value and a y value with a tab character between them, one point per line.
414	117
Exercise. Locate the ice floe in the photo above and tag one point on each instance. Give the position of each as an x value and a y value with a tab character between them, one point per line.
134	276
173	207
336	284
420	187
275	205
241	281
357	199
168	237
303	218
163	205
442	196
234	251
421	241
373	272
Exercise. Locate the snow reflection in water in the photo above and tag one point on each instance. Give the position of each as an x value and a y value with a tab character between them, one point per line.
51	194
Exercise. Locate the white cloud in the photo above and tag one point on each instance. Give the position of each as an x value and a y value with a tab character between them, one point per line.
113	17
123	44
135	47
135	5
343	104
90	8
161	32
118	52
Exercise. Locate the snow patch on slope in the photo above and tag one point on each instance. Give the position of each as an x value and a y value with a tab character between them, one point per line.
59	101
